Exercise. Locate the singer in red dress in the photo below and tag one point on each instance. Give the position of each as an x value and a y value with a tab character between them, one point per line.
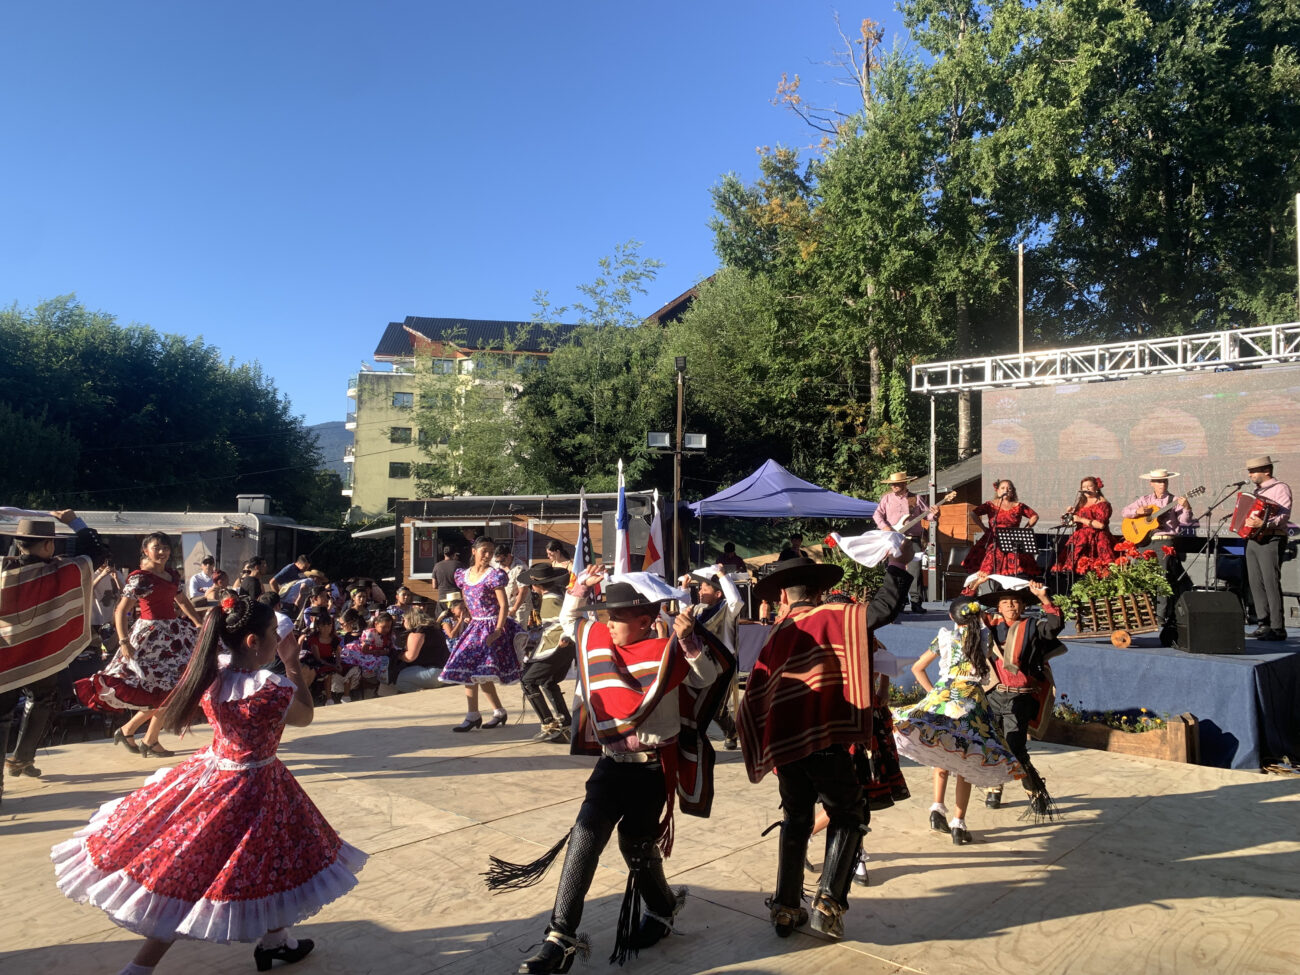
1006	510
1092	542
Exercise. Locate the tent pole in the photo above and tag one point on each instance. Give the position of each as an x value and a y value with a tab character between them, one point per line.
932	549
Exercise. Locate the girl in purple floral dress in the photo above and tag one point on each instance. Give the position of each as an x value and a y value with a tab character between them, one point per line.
485	649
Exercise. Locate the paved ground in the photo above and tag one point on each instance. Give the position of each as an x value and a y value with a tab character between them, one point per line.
1155	868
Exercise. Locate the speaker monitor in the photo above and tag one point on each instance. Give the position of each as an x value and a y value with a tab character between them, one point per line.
1210	622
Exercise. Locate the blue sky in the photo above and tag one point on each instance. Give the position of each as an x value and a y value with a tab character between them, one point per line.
284	179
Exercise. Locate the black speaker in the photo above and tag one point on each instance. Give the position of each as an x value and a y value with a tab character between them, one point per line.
1210	622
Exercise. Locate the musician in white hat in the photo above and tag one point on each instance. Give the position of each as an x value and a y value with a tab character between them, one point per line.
1264	548
897	507
1173	519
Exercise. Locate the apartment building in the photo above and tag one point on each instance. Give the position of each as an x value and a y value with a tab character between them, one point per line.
385	441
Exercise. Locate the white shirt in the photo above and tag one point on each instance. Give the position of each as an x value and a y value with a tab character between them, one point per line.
200	583
722	624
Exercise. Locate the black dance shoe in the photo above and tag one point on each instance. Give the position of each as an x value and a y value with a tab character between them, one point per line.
937	821
127	741
469	724
555	955
993	799
960	836
497	720
263	957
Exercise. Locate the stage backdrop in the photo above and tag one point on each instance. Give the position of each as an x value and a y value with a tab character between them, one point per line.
1204	425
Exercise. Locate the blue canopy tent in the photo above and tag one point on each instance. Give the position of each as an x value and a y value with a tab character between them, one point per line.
773	492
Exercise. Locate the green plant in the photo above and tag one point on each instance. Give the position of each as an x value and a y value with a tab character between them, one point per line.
1132	573
1130	720
859	581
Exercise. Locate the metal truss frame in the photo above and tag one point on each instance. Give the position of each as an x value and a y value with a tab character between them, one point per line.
1231	349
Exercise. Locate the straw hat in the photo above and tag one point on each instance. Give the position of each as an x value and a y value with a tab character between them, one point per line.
900	477
1159	474
1254	464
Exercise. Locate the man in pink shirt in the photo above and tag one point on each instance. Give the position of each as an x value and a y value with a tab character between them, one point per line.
1175	518
1264	549
897	506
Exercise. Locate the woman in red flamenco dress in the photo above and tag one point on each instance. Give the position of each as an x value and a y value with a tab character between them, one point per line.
1092	540
226	846
1006	510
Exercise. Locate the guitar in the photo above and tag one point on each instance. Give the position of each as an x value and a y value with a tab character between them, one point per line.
903	527
1146	522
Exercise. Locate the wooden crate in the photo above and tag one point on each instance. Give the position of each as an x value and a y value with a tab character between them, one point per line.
1178	741
1133	614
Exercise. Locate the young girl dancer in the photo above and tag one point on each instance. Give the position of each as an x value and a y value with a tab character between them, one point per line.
226	846
950	728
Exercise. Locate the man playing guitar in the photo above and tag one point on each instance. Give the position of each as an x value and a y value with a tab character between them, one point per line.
1174	519
1264	549
897	507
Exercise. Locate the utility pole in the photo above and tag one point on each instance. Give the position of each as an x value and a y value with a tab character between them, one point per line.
1022	298
680	362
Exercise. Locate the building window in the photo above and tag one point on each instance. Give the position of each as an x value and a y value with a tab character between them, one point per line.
465	366
404	400
399	470
444	366
399	435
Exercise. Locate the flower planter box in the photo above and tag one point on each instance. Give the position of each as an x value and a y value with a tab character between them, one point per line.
1117	618
1178	741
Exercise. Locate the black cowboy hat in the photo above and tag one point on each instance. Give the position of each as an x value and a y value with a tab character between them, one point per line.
818	576
621	595
34	530
993	597
542	574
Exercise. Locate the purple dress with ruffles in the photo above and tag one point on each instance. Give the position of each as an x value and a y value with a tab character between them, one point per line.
474	661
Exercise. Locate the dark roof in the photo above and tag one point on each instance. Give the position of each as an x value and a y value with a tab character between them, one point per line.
672	310
472	333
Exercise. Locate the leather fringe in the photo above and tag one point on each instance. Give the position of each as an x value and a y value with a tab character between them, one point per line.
516	876
629	920
1050	813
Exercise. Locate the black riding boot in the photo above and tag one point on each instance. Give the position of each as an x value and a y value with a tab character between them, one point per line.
661	903
558	704
843	843
538	703
786	905
589	835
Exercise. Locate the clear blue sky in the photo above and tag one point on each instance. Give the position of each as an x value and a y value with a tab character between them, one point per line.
283	179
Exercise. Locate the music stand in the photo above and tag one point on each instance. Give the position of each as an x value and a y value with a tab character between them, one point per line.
1017	541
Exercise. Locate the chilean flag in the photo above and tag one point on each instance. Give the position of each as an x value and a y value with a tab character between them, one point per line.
654	546
622	547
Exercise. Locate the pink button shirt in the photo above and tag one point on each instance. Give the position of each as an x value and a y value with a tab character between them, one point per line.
1280	494
894	509
1169	523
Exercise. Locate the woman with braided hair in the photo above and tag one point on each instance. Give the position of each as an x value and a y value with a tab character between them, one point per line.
951	728
226	846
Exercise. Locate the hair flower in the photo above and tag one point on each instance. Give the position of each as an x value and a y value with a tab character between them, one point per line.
228	603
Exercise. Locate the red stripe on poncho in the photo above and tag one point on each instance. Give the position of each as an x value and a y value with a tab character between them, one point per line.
44	618
810	688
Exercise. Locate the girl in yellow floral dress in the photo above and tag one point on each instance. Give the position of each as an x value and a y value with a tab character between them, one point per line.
949	729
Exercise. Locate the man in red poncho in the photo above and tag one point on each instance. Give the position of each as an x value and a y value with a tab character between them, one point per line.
807	700
644	702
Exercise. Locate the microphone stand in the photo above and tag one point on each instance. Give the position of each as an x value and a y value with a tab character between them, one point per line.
1213	529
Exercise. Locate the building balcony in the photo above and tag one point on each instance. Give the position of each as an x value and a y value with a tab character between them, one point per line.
352	386
350	422
349	455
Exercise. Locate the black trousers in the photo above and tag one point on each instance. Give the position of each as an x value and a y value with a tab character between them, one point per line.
1174	571
827	776
42	702
1012	713
630	796
541	680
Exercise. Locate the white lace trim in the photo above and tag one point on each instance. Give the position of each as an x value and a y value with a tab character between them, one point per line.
236	685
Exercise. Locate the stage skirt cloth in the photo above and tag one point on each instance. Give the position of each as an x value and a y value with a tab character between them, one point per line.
985	556
141	682
474	660
219	848
950	729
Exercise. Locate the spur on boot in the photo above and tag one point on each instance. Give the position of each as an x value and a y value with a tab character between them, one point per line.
154	751
555	955
786	919
120	737
263	957
469	724
498	719
654	928
827	916
860	872
548	729
560	736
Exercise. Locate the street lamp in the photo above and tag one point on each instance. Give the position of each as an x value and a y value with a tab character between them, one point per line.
662	442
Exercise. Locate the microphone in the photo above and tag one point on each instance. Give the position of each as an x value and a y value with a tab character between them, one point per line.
1238	484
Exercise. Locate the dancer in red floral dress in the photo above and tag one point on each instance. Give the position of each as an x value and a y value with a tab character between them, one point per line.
1006	510
1092	542
226	846
152	656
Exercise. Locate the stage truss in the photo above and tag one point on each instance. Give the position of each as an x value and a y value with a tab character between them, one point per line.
1231	349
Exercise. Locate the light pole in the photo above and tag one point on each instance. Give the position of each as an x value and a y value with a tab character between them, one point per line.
663	443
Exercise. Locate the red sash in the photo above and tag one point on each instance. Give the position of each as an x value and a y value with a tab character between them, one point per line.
810	688
44	618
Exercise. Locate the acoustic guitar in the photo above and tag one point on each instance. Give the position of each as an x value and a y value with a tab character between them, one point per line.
903	527
1147	522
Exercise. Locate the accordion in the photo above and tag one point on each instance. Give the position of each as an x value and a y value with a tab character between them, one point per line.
1248	505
